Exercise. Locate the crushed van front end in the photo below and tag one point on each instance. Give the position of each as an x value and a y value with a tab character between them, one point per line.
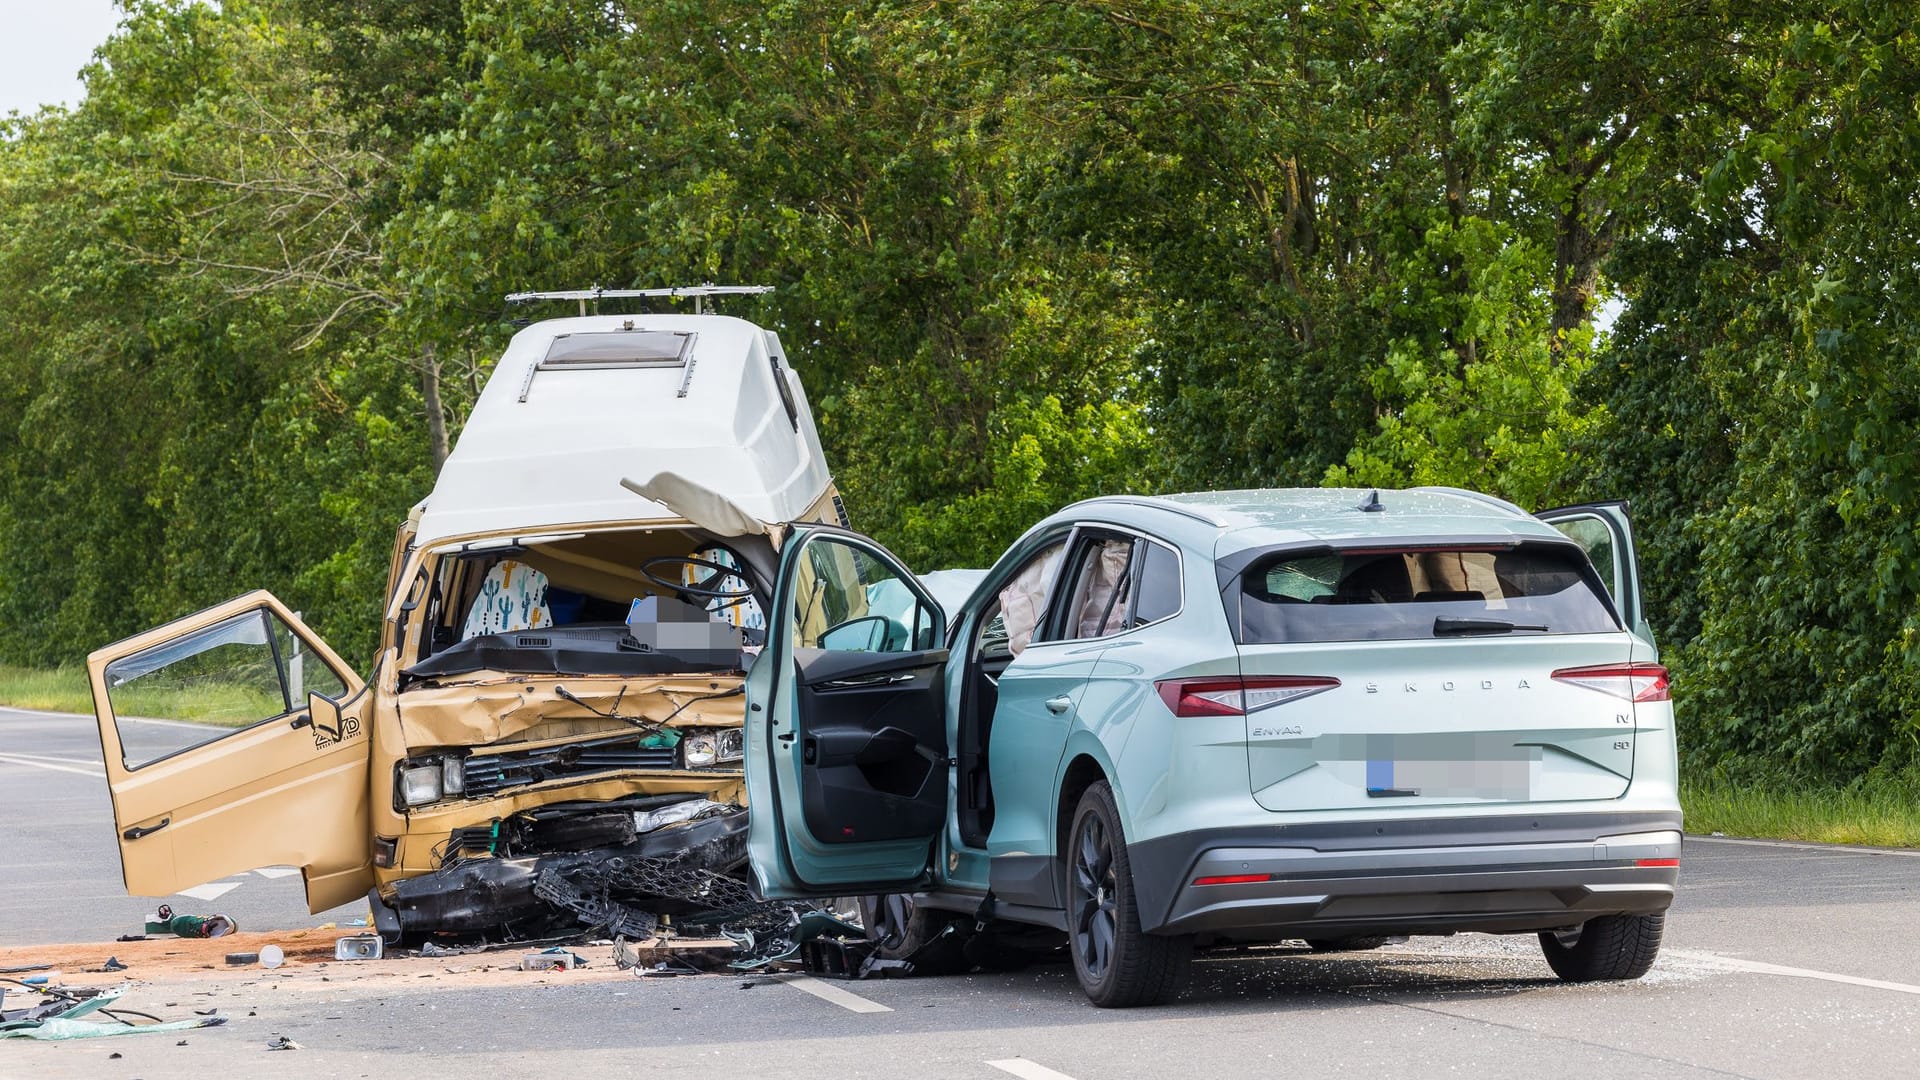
507	796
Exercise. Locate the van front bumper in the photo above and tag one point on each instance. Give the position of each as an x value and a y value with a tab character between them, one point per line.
1501	875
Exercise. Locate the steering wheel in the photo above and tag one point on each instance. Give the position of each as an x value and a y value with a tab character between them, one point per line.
707	588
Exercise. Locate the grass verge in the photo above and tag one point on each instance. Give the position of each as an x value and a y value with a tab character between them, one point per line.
1876	816
52	689
66	689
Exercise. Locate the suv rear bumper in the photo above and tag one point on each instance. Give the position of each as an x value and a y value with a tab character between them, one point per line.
1501	874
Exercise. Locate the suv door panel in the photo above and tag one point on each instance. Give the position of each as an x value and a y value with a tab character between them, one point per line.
872	745
846	755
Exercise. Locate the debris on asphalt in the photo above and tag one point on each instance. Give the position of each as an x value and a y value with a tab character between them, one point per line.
359	947
281	1042
164	921
552	960
272	956
84	1014
113	964
241	959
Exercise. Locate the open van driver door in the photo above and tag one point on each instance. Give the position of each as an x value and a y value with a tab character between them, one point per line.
272	770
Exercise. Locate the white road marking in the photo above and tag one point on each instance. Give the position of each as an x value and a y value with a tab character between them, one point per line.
1841	849
1758	968
118	719
13	760
277	871
95	762
211	891
828	992
1027	1070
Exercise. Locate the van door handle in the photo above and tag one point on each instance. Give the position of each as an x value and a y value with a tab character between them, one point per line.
1058	705
139	831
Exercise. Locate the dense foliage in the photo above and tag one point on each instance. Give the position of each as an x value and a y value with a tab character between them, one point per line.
1024	252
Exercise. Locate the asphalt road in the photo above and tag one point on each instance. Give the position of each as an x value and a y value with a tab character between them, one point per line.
1781	961
59	857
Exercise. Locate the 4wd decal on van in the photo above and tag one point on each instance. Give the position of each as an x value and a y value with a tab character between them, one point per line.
325	735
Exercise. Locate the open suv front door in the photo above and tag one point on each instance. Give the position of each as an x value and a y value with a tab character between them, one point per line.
271	771
846	755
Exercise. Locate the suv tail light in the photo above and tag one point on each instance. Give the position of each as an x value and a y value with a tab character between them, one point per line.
1630	682
1236	695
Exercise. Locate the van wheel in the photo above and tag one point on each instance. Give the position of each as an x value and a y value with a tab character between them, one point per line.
1118	965
934	941
1606	948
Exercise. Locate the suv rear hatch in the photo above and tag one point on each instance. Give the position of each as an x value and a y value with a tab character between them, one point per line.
1388	678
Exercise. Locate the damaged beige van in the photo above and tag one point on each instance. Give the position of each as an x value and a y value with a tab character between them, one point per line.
551	731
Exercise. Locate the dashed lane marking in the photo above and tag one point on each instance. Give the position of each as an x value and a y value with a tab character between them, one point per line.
1758	968
95	762
828	992
211	891
1028	1070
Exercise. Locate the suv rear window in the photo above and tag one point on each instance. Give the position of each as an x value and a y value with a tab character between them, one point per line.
1370	595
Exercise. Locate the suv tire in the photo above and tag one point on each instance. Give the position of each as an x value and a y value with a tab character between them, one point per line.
1119	965
1606	948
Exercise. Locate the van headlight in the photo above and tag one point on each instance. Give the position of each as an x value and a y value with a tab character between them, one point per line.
704	747
428	780
421	784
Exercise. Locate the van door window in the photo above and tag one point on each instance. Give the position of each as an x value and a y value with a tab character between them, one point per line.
236	673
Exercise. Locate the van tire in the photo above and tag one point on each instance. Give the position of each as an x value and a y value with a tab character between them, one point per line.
934	941
1118	965
1606	948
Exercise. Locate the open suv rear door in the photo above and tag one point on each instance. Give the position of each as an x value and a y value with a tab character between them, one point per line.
269	768
1605	530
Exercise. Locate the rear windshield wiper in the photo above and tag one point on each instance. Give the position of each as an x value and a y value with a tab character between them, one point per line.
1451	624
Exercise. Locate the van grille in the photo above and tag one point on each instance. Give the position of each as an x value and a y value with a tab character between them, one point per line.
488	773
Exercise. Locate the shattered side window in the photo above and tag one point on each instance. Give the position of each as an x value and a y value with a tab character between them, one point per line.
1305	579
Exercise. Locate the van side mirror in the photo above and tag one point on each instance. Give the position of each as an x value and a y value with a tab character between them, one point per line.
323	714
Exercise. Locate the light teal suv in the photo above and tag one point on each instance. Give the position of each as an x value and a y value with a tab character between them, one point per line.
1162	724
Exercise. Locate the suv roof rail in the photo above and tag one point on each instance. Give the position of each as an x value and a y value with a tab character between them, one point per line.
699	293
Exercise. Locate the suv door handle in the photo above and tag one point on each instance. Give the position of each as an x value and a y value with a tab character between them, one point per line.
1058	705
139	831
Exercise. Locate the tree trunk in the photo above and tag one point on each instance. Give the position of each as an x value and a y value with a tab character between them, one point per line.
436	413
1581	240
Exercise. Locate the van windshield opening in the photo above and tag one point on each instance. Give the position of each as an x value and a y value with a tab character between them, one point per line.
1371	595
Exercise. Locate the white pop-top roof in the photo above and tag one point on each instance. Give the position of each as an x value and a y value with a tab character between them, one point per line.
684	407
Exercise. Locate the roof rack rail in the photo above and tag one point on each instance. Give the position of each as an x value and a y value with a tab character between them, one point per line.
699	293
